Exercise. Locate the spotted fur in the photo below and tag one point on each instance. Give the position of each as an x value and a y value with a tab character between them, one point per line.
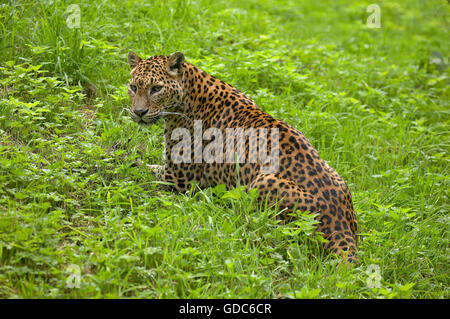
167	86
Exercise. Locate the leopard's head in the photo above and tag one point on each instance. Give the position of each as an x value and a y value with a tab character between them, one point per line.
155	86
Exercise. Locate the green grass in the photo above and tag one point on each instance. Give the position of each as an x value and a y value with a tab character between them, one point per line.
73	185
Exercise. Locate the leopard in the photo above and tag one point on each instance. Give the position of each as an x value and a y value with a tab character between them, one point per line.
190	101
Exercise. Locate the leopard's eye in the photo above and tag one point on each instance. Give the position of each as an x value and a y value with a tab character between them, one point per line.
133	88
155	89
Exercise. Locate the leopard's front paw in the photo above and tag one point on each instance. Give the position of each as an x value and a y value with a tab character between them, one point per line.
157	170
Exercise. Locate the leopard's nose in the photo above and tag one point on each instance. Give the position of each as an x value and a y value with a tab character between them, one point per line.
140	112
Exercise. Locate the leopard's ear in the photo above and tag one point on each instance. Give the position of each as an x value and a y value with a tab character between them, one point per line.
175	64
133	59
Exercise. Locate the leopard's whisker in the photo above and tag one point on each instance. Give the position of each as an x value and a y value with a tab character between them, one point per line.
174	113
